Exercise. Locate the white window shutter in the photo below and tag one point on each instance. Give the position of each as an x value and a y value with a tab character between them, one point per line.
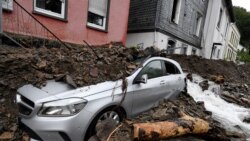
98	7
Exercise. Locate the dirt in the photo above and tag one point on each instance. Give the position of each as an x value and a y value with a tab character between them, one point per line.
169	110
232	72
79	66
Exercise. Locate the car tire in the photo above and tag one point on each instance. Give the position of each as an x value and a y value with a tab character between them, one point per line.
113	112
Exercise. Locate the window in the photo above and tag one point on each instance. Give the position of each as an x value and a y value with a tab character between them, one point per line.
97	14
193	51
176	11
152	69
140	46
171	68
7	4
226	29
219	20
171	46
198	25
54	8
184	49
218	53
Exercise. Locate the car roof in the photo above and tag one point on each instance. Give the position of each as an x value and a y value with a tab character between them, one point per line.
162	58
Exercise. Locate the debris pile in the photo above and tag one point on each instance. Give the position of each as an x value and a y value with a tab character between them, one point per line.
80	66
172	110
231	72
236	93
77	66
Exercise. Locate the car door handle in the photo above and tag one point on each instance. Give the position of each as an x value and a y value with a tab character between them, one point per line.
162	82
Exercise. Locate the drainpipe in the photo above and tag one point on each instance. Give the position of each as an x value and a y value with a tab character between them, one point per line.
1	20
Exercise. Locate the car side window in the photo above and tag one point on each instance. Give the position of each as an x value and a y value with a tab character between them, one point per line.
171	68
152	69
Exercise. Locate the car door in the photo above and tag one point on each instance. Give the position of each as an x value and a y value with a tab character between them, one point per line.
174	79
146	95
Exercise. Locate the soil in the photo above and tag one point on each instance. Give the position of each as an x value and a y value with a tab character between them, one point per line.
80	66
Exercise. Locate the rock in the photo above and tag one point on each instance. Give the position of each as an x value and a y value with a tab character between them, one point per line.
6	136
1	128
93	72
26	138
41	64
2	100
190	77
94	138
70	81
13	128
105	128
247	120
204	85
131	66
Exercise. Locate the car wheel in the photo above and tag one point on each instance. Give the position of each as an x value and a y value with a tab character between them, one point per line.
110	114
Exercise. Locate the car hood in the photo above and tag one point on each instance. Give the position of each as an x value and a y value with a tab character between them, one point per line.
59	90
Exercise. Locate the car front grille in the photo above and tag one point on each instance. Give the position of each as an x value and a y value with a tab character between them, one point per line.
27	101
25	106
24	110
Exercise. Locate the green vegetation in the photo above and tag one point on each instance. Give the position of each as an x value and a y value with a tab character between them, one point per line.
243	23
244	56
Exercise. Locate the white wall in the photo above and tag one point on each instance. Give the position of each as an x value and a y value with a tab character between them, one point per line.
212	33
232	43
240	47
146	39
158	40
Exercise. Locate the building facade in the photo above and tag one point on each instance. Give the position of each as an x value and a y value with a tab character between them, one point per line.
175	25
95	21
233	40
216	30
241	48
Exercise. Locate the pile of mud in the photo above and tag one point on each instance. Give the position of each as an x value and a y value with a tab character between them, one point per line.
81	66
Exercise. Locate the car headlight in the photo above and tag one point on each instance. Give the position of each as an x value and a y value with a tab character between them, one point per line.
65	107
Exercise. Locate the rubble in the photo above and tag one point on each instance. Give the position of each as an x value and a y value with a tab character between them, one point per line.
79	66
169	110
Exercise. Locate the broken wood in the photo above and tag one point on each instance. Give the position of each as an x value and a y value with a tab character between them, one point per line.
230	98
162	130
218	79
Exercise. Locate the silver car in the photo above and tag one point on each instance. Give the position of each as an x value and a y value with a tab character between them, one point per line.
57	112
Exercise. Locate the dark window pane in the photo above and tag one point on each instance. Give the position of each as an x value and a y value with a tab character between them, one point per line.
50	5
153	70
95	19
171	68
174	10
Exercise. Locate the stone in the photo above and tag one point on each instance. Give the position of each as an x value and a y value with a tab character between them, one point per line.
41	64
93	72
6	136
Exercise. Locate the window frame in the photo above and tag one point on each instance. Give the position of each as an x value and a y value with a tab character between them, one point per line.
177	71
184	49
8	5
169	46
51	14
194	51
103	28
220	18
139	74
176	10
198	24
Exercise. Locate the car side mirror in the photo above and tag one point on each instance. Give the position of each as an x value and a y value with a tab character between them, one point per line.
143	79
